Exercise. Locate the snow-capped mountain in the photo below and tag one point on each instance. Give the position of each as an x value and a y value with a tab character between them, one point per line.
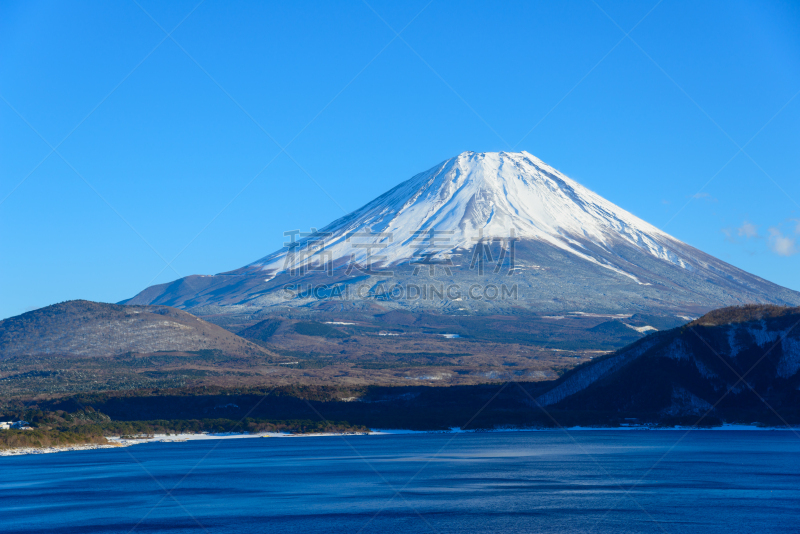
550	242
474	198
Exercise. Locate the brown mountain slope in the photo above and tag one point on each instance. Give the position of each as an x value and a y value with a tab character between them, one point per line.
85	328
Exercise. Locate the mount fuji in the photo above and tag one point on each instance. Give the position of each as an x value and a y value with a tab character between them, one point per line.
480	233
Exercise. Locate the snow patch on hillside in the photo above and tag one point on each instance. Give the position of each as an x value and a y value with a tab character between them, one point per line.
789	364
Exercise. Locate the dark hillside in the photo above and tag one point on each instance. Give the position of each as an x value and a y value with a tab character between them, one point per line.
728	363
743	314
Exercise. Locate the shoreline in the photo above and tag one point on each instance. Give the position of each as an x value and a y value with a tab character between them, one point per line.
23	451
456	430
118	441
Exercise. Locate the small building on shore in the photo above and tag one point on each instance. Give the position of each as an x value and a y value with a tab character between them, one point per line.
7	425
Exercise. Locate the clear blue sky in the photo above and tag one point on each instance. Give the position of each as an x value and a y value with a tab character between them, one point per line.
172	146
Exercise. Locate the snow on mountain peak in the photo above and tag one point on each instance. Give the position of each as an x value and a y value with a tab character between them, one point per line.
474	197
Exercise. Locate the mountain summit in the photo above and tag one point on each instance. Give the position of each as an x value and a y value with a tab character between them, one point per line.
478	198
499	220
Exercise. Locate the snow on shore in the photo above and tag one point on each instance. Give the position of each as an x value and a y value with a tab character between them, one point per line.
19	451
167	438
116	441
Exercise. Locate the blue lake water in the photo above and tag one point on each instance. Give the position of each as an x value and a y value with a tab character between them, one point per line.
584	481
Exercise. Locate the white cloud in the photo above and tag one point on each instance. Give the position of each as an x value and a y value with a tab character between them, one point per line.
748	230
704	196
782	245
729	235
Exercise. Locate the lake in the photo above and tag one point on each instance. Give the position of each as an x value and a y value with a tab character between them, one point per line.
581	481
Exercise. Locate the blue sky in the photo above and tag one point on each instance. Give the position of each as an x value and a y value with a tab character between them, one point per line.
192	153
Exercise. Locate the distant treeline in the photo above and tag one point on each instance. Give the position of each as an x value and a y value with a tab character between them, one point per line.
88	426
195	426
324	409
12	439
